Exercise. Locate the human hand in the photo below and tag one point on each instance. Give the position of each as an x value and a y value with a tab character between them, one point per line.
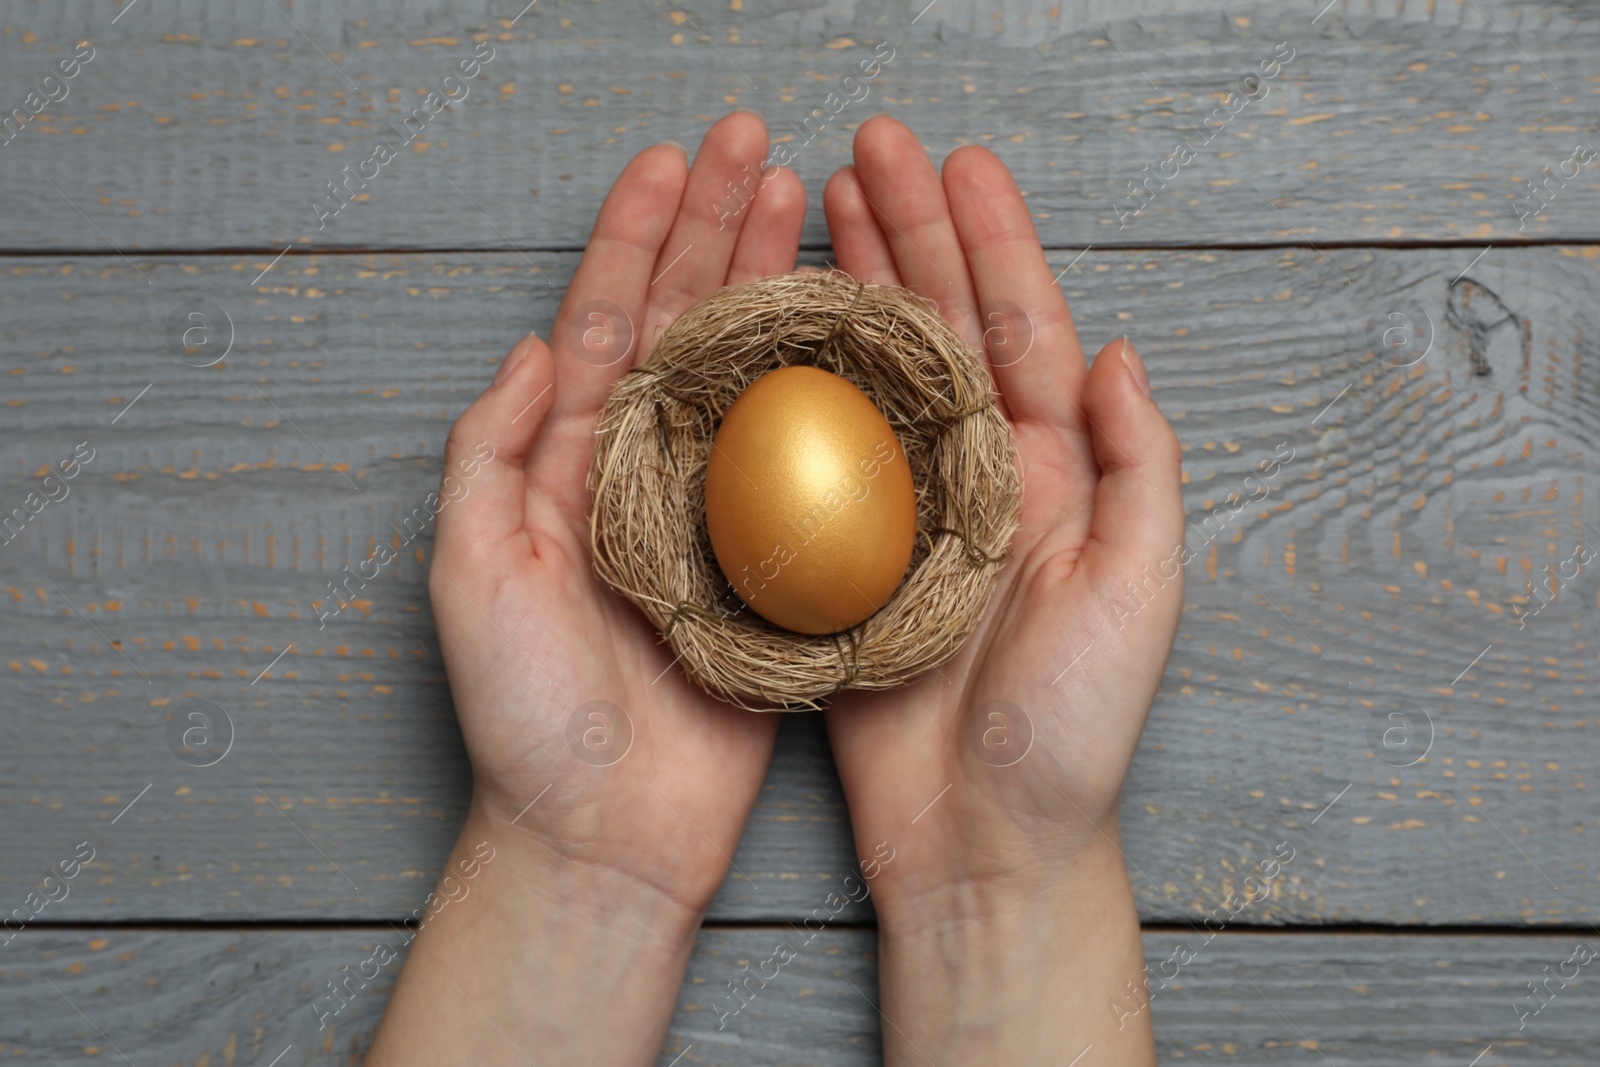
637	813
1005	852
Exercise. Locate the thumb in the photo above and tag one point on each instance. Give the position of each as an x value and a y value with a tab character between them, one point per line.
483	491
1136	532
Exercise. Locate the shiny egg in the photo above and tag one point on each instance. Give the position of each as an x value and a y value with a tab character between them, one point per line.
810	504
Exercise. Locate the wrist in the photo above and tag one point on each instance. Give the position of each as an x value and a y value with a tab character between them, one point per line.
1016	970
539	877
1013	908
564	843
983	868
543	948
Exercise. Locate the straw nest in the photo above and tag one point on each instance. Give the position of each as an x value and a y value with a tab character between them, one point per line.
648	530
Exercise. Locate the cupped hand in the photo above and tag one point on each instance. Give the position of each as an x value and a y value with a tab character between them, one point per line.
1007	762
540	654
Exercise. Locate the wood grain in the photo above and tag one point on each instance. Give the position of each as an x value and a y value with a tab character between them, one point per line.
1370	1000
1398	541
219	126
1365	667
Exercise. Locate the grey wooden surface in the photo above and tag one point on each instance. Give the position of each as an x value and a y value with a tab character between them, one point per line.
1382	574
1373	1000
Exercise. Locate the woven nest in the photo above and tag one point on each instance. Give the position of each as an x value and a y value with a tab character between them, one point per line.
647	478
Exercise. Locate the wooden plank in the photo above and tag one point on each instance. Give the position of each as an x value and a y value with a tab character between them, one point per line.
1397	540
219	126
244	997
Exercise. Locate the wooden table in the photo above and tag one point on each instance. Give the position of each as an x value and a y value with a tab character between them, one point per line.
1351	267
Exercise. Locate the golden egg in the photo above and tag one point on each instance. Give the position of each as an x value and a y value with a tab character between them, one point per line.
809	501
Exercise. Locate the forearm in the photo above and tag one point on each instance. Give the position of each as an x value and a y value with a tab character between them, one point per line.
542	961
1015	974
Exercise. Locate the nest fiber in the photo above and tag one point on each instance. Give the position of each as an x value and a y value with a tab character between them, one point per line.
654	435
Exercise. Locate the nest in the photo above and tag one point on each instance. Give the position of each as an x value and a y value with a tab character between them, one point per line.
654	434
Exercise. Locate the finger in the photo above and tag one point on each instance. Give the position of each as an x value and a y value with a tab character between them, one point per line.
1138	503
1028	334
482	494
722	184
597	328
770	238
859	246
905	194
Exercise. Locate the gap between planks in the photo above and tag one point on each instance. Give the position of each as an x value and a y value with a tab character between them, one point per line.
758	925
224	252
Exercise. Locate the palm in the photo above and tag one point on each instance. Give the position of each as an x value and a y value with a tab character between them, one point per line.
540	654
1100	499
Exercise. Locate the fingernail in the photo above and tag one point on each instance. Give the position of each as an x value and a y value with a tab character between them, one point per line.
1135	365
509	364
676	145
